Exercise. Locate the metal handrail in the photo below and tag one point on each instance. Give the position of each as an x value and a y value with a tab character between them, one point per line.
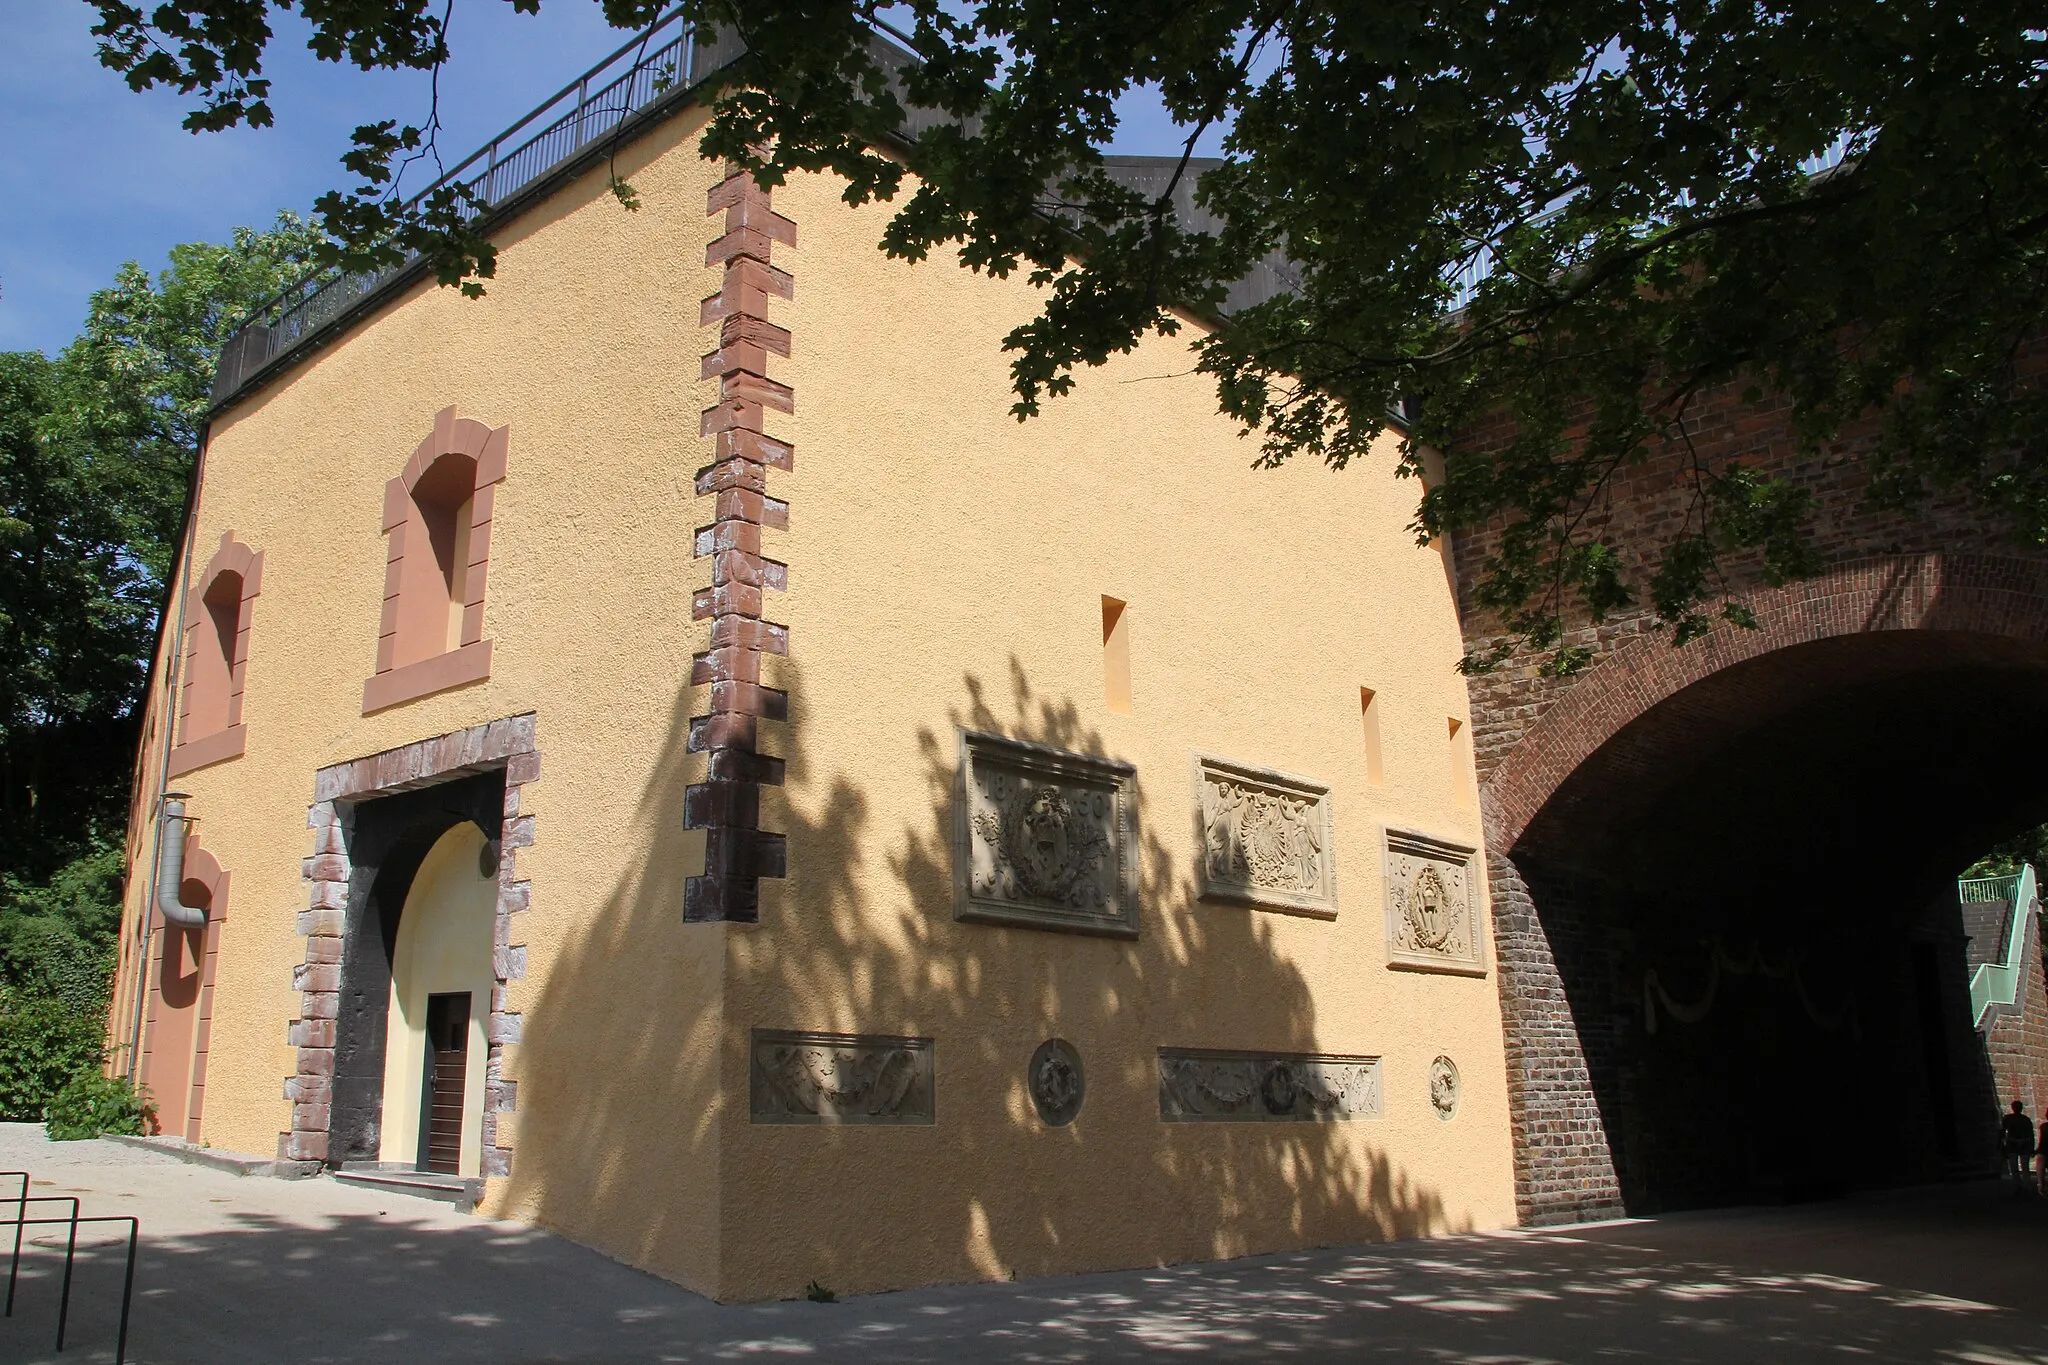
629	83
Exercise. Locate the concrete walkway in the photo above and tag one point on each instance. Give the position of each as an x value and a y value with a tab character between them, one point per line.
255	1270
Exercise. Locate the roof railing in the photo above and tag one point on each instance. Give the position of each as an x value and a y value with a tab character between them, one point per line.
661	64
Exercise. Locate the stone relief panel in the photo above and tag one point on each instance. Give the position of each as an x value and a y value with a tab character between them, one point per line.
1210	1086
1443	1088
1432	910
1044	839
839	1078
1264	838
1057	1082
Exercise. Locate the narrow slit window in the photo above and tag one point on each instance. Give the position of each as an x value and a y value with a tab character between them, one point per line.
1461	765
1116	655
1368	705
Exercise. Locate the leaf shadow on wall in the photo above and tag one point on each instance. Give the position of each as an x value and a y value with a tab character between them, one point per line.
861	939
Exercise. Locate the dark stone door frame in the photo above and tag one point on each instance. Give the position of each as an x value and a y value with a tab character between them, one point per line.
505	745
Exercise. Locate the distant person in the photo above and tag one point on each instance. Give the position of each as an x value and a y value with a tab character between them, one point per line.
2016	1142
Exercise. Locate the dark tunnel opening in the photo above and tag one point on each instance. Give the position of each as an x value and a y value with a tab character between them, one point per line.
1750	895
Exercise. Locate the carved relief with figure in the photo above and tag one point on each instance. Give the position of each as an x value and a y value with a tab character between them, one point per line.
1432	910
1043	838
839	1078
1264	838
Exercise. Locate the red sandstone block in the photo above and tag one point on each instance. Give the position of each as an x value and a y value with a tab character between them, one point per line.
316	1061
755	446
713	898
303	1146
518	833
754	332
321	976
731	473
311	1118
737	566
522	768
722	665
726	598
740	504
768	703
746	386
739	765
741	240
323	950
311	1033
319	1004
327	867
732	414
721	805
736	190
749	633
748	277
728	535
723	729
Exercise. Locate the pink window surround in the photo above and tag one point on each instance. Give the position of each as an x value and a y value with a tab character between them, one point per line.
438	517
217	657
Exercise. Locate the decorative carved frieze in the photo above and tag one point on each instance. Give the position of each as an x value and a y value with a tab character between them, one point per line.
1056	1081
1432	909
1444	1088
839	1078
1264	838
1207	1086
1044	839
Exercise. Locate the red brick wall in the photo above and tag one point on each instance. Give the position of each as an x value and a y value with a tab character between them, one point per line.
1946	567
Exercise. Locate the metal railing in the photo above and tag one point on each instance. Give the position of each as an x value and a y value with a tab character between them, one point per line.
1998	982
660	65
21	1221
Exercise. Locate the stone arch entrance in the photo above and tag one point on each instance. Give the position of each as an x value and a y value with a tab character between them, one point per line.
1723	885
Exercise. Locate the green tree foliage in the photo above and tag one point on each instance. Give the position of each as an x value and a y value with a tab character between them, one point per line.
90	1104
96	451
2007	858
1637	179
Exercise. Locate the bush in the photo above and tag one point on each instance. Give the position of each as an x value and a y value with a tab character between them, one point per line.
43	1045
91	1104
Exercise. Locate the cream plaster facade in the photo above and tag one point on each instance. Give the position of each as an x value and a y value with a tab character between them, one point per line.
947	567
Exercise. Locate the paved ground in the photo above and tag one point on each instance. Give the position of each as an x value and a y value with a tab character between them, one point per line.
251	1270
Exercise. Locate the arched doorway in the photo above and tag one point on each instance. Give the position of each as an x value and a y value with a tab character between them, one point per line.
433	1100
417	975
178	1028
1732	963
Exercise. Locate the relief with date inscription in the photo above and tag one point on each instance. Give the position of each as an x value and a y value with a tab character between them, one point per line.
1044	839
1197	1085
1432	917
1265	838
839	1078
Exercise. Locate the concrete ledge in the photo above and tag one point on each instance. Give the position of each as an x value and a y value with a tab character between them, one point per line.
230	1162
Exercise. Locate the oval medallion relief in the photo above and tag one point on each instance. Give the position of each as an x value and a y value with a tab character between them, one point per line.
1056	1082
1443	1087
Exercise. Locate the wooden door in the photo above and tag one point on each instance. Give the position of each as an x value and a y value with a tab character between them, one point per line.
446	1069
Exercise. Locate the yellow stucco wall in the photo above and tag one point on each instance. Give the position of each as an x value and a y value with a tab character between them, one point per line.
587	346
947	570
947	567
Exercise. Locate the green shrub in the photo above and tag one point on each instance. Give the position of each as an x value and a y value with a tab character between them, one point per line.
91	1104
43	1044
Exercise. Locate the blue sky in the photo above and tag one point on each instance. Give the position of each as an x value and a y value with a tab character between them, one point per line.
92	175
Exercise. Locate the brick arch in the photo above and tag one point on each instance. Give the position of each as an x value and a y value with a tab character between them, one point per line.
216	657
1975	594
179	1027
455	470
